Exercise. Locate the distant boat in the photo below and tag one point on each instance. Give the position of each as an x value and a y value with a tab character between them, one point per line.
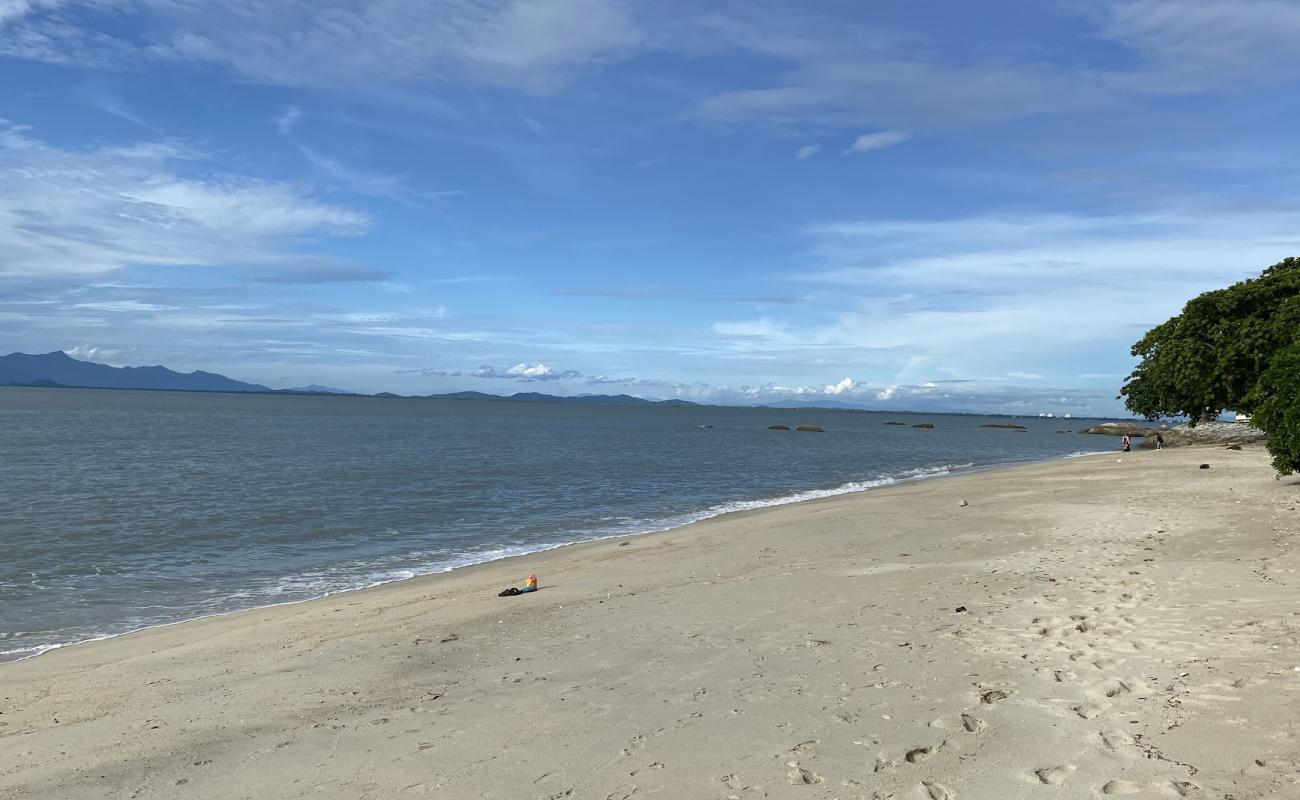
1241	417
1046	414
1067	415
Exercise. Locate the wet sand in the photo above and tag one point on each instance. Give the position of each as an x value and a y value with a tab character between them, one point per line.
1103	626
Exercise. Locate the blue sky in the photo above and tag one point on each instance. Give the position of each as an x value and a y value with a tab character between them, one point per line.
894	204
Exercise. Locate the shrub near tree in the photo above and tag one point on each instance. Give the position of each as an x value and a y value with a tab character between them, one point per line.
1236	348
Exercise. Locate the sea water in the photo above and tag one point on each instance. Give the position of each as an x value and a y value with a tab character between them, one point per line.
121	510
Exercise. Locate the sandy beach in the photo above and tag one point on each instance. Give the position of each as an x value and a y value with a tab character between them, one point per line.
1103	626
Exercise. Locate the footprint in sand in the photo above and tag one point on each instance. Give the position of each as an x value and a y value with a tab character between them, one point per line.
1088	710
802	777
1120	688
1055	776
972	724
1121	787
1115	740
918	754
937	791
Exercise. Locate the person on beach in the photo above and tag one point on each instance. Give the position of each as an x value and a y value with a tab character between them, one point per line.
530	585
1160	442
1126	444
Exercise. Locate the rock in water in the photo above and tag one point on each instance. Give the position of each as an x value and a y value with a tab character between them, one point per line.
778	427
810	429
923	425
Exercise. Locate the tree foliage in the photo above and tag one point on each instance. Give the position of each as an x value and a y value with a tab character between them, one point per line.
1236	348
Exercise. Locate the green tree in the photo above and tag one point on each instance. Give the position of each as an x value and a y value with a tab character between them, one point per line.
1235	348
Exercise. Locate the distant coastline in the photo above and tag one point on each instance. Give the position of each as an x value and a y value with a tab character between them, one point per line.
58	370
537	398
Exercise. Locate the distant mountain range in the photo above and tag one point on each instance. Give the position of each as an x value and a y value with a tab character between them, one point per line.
60	369
316	388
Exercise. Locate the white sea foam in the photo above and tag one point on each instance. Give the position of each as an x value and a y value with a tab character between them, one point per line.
311	586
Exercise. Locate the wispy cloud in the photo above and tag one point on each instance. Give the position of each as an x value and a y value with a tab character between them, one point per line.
287	120
335	173
662	291
13	10
986	296
344	46
877	141
807	151
82	212
1211	43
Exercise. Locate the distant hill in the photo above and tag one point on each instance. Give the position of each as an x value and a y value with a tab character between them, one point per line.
316	388
60	369
467	396
584	399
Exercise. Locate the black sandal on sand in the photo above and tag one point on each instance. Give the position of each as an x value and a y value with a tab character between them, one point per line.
511	592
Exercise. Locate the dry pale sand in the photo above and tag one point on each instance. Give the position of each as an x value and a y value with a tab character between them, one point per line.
1132	628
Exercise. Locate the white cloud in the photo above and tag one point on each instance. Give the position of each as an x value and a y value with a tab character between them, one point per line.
526	373
1007	295
1206	44
761	329
832	71
539	41
807	151
90	353
67	212
843	386
12	10
124	305
877	141
529	371
346	45
840	74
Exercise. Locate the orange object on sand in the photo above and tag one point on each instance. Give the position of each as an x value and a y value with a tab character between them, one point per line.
531	583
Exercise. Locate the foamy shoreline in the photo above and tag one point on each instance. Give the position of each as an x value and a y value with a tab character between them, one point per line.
472	560
1074	618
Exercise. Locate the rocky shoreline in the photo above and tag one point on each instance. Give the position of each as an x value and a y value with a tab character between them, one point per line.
1205	433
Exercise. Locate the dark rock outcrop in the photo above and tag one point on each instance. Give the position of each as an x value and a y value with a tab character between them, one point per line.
778	427
1220	433
810	429
923	425
1119	429
1008	425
